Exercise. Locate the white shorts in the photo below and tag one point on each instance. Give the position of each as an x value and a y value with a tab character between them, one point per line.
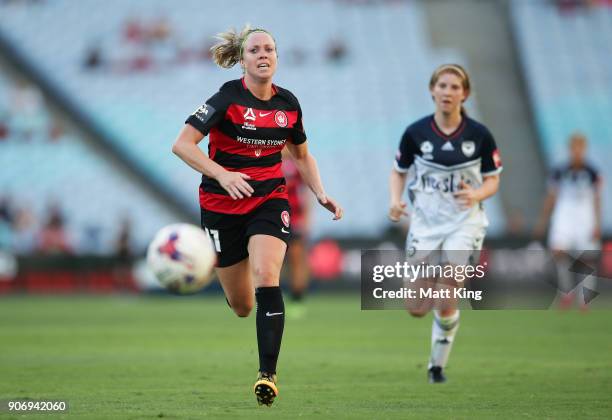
460	246
572	236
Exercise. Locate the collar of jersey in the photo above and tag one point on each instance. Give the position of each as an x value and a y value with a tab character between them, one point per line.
440	133
274	90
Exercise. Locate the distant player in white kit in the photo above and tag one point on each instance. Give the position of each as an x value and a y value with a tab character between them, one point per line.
454	165
574	202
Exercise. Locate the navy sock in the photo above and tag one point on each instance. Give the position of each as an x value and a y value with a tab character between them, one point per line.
270	324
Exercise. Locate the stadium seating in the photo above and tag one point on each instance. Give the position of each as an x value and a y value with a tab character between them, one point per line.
94	195
566	59
355	109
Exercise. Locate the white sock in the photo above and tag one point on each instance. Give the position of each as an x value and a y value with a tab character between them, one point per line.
565	278
442	336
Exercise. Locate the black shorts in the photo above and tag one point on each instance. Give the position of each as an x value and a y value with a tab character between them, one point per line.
230	233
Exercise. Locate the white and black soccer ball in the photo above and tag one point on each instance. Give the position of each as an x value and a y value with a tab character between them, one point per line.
182	258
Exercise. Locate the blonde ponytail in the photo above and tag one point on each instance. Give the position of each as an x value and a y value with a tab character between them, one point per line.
228	51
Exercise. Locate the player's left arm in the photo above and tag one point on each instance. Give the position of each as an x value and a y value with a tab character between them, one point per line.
308	169
491	167
468	196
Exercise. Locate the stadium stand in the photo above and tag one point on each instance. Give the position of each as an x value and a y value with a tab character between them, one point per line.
566	59
140	77
47	166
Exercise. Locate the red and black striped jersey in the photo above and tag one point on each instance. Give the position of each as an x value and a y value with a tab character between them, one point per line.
247	135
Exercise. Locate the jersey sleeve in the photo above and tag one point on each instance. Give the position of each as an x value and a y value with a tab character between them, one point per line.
594	175
210	114
298	135
491	163
406	153
554	179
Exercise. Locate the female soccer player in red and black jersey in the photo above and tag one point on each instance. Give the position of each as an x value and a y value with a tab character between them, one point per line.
243	197
456	166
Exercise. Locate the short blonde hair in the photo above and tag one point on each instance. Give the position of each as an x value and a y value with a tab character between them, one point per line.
578	137
228	51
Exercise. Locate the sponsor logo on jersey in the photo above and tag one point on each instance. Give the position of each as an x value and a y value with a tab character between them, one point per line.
448	146
281	119
285	218
204	113
261	143
468	148
444	184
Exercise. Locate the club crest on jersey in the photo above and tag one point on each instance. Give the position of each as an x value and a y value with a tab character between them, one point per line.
281	119
257	152
468	148
426	149
285	218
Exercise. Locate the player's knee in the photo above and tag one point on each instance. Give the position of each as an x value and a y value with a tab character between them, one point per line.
265	276
243	310
417	313
447	313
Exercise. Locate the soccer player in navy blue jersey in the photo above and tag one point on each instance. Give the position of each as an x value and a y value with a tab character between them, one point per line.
454	165
574	195
243	194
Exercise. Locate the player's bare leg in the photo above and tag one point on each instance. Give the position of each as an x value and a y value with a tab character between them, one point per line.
266	254
298	273
418	307
237	285
565	280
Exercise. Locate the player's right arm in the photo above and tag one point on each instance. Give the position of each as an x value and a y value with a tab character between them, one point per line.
196	127
397	207
397	180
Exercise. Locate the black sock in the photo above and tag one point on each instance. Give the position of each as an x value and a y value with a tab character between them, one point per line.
270	324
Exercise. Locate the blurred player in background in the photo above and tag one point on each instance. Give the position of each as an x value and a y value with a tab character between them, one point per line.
456	166
297	250
574	202
243	196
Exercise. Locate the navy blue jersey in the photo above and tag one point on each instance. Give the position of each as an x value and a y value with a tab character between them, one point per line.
575	189
470	142
585	177
441	162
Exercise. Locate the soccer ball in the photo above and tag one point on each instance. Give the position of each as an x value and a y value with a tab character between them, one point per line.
182	258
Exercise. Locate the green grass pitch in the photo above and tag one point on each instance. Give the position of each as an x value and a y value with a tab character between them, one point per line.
155	357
